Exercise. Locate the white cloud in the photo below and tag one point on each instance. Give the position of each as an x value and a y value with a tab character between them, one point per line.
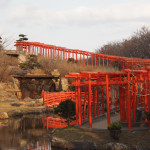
1	30
35	14
83	27
4	3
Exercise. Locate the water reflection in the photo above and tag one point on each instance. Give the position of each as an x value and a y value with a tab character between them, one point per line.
23	133
38	147
56	122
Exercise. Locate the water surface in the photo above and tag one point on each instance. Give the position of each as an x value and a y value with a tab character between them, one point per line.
28	132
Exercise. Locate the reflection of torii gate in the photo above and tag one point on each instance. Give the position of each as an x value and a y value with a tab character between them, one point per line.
96	59
38	147
55	122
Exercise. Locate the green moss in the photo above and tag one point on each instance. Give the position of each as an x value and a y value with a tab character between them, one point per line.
73	134
30	63
114	126
68	135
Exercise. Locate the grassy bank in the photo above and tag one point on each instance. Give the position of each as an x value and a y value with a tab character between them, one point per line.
131	138
23	109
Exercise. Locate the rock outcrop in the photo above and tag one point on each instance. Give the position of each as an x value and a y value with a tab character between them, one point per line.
3	115
116	146
64	84
7	92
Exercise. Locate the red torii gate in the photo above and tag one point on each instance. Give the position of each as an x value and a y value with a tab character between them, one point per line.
65	53
62	53
127	83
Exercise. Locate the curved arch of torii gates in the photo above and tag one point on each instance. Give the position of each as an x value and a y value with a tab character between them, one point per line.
64	53
131	86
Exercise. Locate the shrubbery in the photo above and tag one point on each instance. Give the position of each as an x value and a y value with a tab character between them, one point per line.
115	130
66	108
30	63
114	126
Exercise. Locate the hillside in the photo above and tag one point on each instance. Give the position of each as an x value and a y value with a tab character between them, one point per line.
135	46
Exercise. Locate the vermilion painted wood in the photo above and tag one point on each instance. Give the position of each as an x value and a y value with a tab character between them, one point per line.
124	62
126	81
115	97
55	122
135	74
97	99
89	102
108	100
85	102
120	99
93	104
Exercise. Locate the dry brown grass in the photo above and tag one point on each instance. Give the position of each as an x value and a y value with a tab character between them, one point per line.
64	67
6	65
36	71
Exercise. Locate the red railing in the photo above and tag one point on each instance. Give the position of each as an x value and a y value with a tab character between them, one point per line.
80	55
51	99
54	98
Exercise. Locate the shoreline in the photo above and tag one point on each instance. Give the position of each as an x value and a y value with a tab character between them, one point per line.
20	108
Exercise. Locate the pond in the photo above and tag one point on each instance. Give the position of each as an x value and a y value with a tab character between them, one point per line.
29	132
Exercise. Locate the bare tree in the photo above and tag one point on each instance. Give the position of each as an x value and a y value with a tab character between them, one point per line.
1	46
138	45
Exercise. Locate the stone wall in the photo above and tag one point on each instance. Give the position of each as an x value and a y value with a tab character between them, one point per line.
33	87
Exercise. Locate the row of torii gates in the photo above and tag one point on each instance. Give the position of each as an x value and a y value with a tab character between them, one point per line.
95	89
88	58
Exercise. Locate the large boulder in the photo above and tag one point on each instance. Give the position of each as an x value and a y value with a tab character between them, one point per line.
3	115
15	113
22	58
7	92
15	84
17	71
64	84
55	73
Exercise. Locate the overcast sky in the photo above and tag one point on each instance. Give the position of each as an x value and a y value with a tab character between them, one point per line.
76	24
